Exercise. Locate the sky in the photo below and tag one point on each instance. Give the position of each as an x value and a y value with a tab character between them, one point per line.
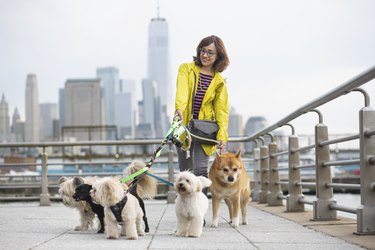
283	54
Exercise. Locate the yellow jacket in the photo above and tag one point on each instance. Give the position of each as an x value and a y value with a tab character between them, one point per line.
214	104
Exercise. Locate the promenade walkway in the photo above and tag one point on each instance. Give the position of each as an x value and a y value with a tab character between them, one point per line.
29	226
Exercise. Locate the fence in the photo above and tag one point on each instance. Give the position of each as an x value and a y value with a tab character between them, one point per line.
266	185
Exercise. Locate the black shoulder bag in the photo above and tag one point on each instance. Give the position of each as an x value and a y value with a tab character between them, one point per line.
206	129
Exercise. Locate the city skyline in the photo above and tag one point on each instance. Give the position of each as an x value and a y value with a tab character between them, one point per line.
283	55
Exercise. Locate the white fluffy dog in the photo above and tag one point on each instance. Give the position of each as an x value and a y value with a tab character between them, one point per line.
67	188
109	192
191	204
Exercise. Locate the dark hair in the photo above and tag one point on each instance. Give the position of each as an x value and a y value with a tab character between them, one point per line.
222	60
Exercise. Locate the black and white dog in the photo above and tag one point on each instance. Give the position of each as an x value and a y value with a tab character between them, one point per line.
82	193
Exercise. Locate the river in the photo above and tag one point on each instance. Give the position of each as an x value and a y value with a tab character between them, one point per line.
349	200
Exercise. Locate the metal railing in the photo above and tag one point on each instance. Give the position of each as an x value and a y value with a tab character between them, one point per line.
266	184
324	205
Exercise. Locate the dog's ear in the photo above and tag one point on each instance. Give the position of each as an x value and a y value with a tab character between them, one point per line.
238	154
62	179
77	181
200	186
108	187
109	192
218	156
205	182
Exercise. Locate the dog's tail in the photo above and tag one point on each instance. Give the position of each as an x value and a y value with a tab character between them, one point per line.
147	185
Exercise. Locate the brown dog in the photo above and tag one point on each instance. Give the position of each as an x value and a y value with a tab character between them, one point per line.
231	183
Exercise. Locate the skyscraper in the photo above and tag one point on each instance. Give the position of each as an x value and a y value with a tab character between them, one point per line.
32	109
83	108
15	118
129	86
18	127
110	79
149	93
253	125
4	120
124	115
235	129
158	59
61	108
48	113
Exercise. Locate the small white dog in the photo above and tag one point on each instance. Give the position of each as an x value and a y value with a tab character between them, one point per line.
118	208
191	204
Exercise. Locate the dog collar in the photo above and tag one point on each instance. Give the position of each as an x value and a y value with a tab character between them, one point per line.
117	208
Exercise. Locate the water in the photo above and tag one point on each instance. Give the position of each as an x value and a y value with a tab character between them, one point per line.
159	166
349	200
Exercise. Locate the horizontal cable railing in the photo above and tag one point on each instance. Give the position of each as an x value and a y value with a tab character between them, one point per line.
341	163
294	150
305	166
324	205
343	139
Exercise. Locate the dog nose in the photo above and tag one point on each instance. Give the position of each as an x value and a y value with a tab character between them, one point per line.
180	185
230	178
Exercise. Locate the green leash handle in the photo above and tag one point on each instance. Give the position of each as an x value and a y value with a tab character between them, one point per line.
133	175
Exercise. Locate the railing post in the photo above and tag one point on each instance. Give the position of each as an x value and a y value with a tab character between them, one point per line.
366	211
294	191
256	182
264	180
274	188
44	196
324	194
171	194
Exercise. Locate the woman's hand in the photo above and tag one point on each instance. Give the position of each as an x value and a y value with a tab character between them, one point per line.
179	114
221	146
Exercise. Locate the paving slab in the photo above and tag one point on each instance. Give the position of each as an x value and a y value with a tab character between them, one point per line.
29	226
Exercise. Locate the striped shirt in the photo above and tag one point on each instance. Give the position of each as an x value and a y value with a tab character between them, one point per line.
203	83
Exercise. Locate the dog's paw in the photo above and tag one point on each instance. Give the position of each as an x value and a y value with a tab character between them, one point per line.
80	228
133	237
101	231
214	222
141	233
180	234
235	223
112	237
195	235
244	222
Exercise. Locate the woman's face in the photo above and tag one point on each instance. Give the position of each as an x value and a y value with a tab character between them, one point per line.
208	55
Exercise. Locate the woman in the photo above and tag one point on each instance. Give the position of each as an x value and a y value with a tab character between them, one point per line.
202	77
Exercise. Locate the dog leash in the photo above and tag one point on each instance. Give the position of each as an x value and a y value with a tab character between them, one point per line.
161	179
173	135
175	131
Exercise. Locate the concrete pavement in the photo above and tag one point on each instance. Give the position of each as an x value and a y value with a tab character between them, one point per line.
29	226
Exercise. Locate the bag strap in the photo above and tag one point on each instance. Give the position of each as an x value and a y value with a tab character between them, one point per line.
193	97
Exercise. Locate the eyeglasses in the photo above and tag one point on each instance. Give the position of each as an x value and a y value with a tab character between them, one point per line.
207	52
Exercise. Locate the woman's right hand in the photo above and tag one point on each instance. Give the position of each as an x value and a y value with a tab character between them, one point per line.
179	114
221	146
